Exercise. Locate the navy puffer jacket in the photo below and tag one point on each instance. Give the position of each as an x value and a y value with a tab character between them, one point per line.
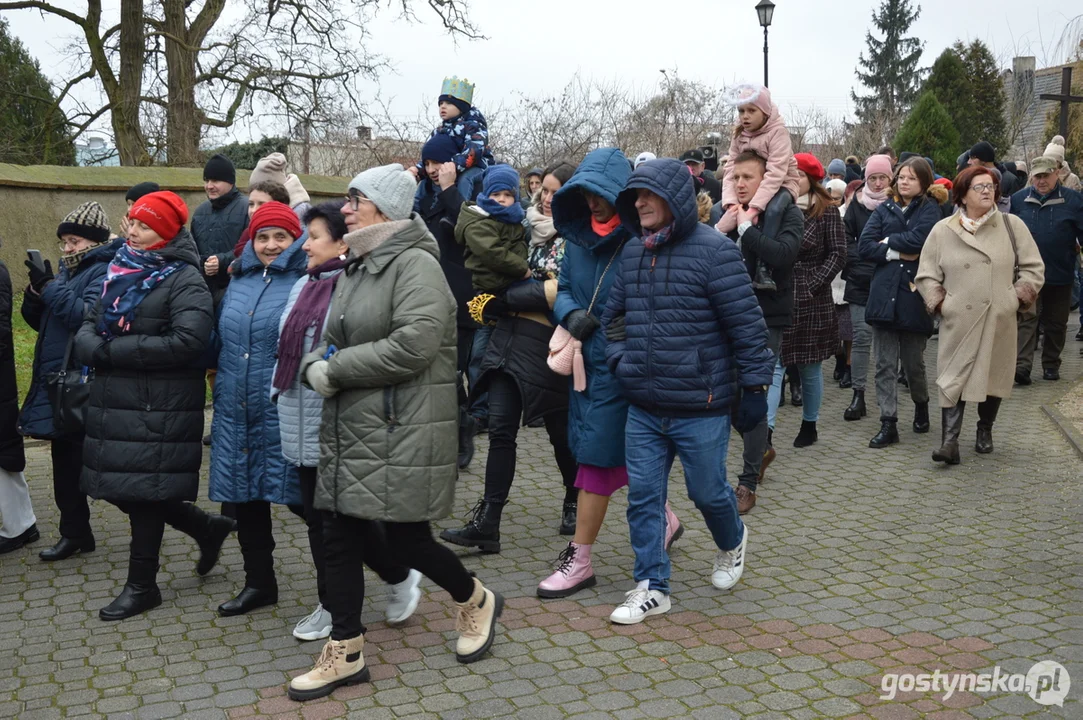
894	302
597	415
695	331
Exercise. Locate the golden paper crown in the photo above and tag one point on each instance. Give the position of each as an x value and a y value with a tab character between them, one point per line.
459	89
476	308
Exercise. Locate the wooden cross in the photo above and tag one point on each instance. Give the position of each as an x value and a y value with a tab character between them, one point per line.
1066	98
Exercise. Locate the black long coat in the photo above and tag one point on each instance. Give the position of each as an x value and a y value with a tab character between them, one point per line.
145	416
12	457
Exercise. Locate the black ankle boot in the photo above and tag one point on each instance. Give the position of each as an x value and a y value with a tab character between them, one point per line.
249	599
567	517
846	381
483	530
133	600
795	394
987	415
807	435
921	417
763	279
467	430
888	435
856	411
210	545
66	548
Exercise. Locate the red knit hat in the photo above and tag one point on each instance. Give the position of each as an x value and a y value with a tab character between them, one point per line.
807	163
275	215
945	182
163	212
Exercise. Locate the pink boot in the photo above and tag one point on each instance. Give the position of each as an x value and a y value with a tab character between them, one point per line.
674	529
574	573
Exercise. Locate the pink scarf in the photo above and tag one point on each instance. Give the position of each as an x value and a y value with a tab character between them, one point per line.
871	200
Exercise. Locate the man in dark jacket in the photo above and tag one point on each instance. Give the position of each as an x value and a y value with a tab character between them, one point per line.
692	337
1054	216
217	224
779	250
983	154
438	202
705	181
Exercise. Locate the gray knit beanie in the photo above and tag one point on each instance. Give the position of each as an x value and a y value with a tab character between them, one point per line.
88	221
390	188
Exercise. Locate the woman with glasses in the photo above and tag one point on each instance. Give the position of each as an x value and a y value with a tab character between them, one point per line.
977	269
55	308
893	238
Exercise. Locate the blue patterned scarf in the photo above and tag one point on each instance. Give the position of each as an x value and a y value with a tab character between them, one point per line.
653	239
131	276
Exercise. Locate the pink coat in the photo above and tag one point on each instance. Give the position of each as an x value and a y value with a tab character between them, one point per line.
772	141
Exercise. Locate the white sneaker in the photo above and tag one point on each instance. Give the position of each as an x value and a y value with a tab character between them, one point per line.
640	604
403	598
729	565
316	626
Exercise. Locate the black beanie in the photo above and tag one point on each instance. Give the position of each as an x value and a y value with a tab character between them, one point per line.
138	191
220	167
983	151
464	107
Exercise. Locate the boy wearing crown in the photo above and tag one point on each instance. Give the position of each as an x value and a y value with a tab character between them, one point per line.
466	126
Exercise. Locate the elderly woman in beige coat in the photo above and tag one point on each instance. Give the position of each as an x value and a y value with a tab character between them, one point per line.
967	274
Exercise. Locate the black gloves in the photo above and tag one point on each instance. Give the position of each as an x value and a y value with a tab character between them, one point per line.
39	277
752	409
494	309
616	332
581	324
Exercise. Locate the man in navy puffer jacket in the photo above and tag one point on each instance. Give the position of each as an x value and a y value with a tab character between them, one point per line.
685	332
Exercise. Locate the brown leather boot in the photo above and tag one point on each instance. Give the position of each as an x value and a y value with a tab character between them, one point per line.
746	499
987	415
951	422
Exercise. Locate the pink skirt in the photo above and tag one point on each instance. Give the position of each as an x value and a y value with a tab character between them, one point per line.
600	480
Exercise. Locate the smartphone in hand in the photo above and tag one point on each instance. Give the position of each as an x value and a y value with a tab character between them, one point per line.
35	257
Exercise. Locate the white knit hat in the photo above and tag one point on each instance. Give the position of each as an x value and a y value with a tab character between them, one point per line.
272	168
390	188
1055	151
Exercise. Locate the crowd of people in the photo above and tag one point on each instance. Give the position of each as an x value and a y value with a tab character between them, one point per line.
636	309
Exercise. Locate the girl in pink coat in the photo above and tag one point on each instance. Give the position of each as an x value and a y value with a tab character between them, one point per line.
760	128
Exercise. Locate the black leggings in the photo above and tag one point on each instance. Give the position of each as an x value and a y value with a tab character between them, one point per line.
67	455
505	416
376	555
148	521
347	542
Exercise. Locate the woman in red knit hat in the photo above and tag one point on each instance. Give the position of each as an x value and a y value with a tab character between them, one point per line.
146	342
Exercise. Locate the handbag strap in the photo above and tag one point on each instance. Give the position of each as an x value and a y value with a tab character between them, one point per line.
1015	246
604	272
67	354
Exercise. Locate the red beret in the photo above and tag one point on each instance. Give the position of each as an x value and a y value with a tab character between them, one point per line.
275	215
163	212
807	163
945	182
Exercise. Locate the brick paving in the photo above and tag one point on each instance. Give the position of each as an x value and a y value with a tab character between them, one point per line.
860	562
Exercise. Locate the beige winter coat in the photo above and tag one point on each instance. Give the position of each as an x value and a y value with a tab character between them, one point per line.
969	278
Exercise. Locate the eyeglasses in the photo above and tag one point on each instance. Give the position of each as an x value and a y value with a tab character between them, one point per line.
355	199
983	187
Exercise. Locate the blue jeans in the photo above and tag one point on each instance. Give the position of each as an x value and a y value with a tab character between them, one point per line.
812	391
652	442
469	183
479	402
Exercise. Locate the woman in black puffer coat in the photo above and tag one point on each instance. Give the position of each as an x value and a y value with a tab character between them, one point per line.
146	341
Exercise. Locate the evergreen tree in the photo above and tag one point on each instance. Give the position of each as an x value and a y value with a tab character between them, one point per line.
33	131
246	155
949	82
987	91
930	132
891	69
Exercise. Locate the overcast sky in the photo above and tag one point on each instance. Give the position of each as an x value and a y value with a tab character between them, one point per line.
537	47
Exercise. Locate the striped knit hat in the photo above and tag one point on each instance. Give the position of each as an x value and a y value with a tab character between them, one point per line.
87	221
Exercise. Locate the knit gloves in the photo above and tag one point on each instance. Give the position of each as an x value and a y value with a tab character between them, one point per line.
318	380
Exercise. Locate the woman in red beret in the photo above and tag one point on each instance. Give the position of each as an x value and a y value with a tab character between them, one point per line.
145	343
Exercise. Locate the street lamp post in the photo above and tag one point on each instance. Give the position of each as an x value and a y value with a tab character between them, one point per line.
766	11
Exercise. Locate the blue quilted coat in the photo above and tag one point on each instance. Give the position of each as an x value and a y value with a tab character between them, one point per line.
246	456
695	329
597	415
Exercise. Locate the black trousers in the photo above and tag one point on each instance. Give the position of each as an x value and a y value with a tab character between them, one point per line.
1053	309
505	416
148	521
257	544
349	541
376	555
465	345
67	456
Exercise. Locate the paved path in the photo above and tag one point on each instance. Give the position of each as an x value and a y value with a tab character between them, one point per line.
860	562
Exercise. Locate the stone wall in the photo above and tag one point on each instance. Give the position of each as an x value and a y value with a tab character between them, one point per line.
34	199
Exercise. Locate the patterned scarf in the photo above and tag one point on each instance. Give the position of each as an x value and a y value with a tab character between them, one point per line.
654	239
972	226
132	275
308	311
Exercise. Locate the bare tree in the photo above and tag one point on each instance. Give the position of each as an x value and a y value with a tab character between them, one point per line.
203	68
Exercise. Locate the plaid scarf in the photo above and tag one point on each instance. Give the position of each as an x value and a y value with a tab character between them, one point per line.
131	276
654	239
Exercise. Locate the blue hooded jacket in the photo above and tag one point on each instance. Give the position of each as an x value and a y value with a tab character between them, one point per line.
57	314
246	456
695	329
597	415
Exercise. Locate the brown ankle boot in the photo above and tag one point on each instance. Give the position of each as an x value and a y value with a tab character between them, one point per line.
342	662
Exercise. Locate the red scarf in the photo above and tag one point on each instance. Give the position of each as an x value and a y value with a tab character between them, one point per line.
604	229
